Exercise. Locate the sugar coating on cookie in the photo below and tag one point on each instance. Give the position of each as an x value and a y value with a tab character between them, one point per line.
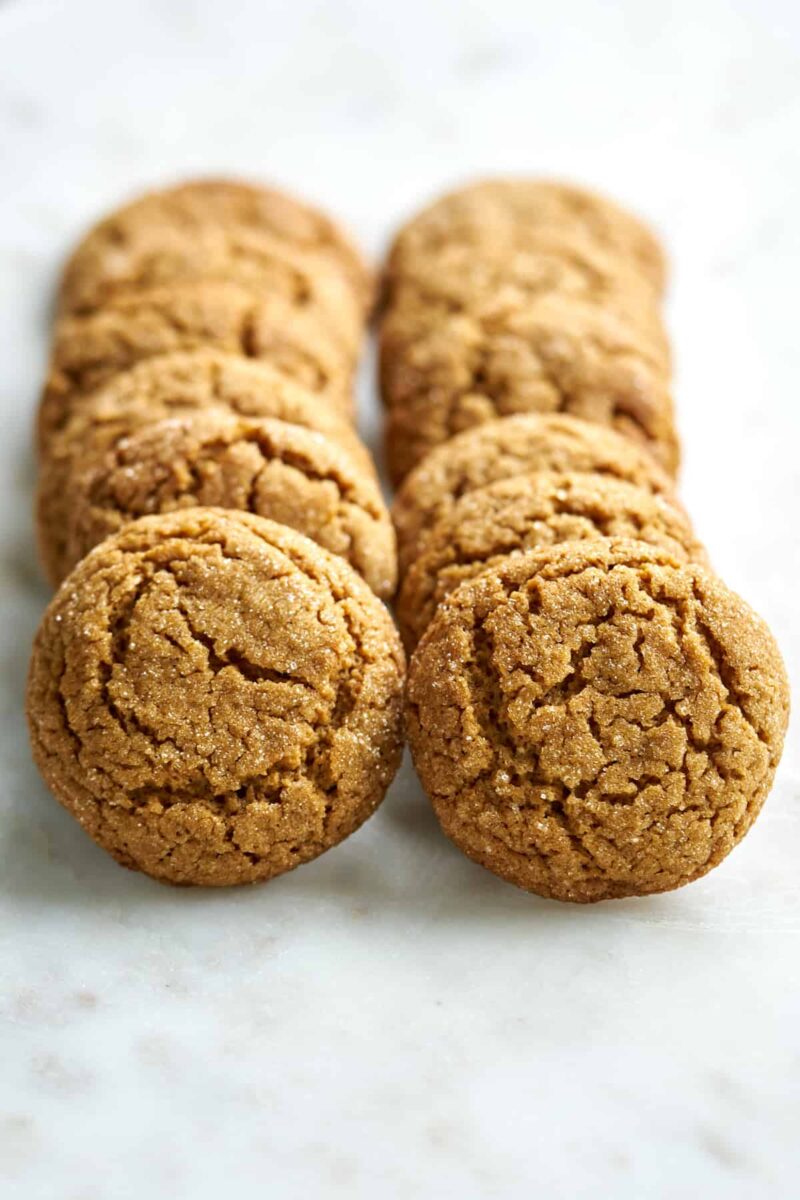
205	229
265	466
596	720
89	350
215	698
484	284
171	386
189	381
513	446
503	217
529	512
444	375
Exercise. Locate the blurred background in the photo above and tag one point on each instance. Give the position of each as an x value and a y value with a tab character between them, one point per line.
391	1020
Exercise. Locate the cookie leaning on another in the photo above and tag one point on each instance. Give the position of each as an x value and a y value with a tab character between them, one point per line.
89	350
530	512
456	280
516	296
265	466
215	698
514	446
505	217
442	376
206	229
165	387
209	264
597	719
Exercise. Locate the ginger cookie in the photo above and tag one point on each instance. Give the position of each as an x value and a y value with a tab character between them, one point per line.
172	386
215	698
505	217
513	446
264	466
89	350
457	280
452	374
596	719
207	229
530	512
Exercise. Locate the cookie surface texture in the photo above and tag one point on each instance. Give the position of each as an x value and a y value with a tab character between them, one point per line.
529	512
205	228
597	720
269	467
215	698
173	386
514	446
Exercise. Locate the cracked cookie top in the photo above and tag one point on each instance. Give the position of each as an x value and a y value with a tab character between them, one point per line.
596	720
190	381
215	698
211	229
513	446
485	284
90	350
440	376
505	217
171	386
528	512
269	467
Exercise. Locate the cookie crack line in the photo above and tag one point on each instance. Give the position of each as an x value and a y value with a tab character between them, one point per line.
614	721
237	686
240	783
735	694
230	659
735	698
609	723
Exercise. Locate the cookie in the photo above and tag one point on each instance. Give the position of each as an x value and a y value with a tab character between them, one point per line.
596	719
215	698
458	280
529	512
455	373
88	350
263	466
508	216
206	229
513	446
175	385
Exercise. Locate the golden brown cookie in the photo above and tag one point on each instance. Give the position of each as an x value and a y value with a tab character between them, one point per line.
513	446
448	375
215	698
529	512
88	350
174	385
505	217
206	229
264	466
597	719
457	279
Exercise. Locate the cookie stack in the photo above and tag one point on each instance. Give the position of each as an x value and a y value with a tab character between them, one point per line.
511	297
215	689
191	322
592	712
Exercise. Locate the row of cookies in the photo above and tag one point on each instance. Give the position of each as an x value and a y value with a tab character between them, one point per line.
220	309
522	296
215	689
591	711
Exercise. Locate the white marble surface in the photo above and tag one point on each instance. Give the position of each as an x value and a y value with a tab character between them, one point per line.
392	1021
